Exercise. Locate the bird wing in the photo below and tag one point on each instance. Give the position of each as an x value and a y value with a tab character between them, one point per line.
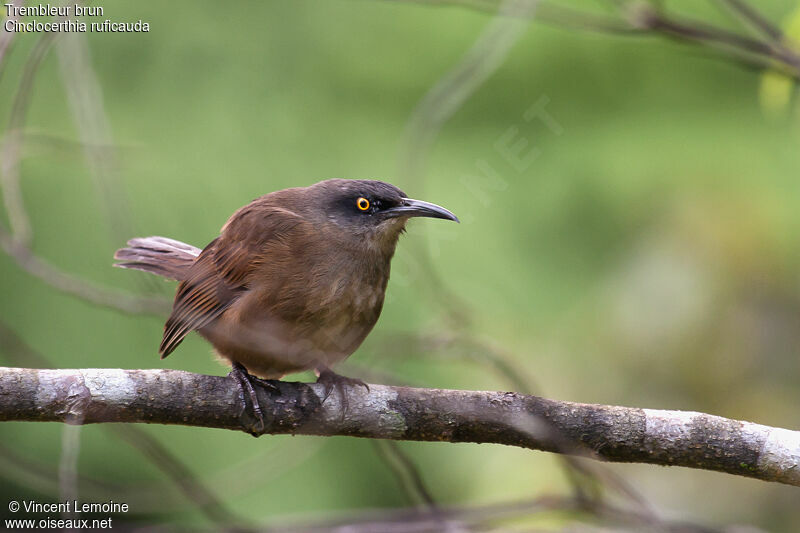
201	298
222	270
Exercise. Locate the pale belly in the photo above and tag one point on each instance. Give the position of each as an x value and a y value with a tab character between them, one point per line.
271	347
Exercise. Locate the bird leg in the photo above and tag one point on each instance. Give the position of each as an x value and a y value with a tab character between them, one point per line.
331	380
245	381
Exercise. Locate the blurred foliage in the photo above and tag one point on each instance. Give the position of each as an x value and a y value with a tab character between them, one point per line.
647	255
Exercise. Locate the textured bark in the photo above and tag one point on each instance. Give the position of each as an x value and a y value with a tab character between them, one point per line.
612	433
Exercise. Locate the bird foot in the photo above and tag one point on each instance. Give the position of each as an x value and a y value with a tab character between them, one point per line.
245	381
331	380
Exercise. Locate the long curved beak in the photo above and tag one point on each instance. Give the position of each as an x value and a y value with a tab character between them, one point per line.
417	208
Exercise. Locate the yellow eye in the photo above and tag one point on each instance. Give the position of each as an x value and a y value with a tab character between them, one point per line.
362	203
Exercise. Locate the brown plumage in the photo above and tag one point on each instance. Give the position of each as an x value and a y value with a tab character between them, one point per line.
295	280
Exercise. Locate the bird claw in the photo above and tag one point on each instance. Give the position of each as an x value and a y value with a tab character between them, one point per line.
266	383
245	381
331	380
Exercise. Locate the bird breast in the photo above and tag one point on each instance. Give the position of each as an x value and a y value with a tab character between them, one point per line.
302	318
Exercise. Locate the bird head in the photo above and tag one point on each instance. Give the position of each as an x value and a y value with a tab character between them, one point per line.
373	210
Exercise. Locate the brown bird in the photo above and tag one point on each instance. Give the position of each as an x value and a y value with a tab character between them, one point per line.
295	281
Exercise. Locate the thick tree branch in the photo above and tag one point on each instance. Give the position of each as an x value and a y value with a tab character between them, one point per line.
618	434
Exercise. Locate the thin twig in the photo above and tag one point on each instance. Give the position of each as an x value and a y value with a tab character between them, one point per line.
76	286
85	97
16	241
442	101
640	19
702	33
12	143
39	477
7	37
755	19
547	12
407	473
68	464
205	501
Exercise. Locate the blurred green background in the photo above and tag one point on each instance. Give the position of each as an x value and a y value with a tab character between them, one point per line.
647	253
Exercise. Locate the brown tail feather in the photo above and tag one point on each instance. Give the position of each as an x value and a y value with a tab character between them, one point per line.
159	255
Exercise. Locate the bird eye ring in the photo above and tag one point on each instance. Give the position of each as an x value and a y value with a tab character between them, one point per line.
362	203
